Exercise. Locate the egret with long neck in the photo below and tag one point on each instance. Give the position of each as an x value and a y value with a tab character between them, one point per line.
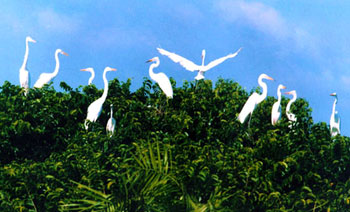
162	80
24	76
335	118
254	100
95	108
111	124
45	78
276	108
91	70
291	117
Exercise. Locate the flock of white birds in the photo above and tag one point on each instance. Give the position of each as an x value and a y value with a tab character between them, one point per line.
95	108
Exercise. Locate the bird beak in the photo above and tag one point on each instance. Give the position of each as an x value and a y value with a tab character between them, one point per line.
150	60
284	87
287	92
83	69
64	53
332	94
113	69
34	41
270	78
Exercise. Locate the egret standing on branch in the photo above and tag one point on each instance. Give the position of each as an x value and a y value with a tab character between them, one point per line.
45	78
254	100
190	66
290	115
162	80
276	108
334	123
111	124
24	76
91	70
95	108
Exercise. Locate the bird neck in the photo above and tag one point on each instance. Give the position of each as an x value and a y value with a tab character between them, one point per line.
290	103
151	67
55	72
203	58
279	95
92	77
111	112
105	90
24	65
335	103
264	88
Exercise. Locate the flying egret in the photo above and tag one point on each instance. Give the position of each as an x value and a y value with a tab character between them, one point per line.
24	76
254	100
91	70
45	78
190	66
335	119
290	115
95	108
276	108
111	124
162	80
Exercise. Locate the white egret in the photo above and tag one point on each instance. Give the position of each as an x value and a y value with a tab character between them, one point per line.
95	108
45	78
190	66
91	70
254	100
276	108
291	117
24	76
335	119
111	124
162	80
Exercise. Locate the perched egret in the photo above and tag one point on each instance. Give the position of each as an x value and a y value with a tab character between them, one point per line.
24	76
276	108
254	100
335	119
95	108
190	66
91	70
290	115
110	124
45	78
162	80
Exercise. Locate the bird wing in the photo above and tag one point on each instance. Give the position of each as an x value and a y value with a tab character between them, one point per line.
164	83
248	107
187	64
220	60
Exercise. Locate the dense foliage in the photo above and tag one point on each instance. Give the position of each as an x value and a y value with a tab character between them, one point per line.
188	153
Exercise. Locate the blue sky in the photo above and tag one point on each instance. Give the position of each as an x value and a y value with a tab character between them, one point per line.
304	45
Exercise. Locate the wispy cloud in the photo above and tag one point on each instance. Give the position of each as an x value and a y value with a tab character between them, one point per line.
58	22
255	14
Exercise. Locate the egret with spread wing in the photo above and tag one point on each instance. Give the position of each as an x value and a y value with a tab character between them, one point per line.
45	78
95	108
91	70
276	108
190	66
335	119
254	100
162	80
24	76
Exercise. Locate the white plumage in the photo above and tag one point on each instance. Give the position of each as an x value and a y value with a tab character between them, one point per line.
276	108
111	124
45	78
95	108
162	80
290	115
334	122
254	100
190	66
24	76
91	70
